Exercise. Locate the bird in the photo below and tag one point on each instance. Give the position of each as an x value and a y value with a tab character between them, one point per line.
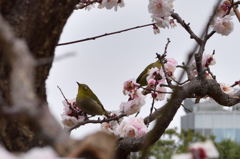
142	77
88	102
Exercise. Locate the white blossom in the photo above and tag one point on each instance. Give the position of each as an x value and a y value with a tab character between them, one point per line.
160	96
130	86
160	11
109	4
209	148
223	25
153	72
131	127
170	66
69	118
226	89
160	8
208	60
133	105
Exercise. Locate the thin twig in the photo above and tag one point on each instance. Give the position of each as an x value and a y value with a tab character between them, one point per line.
97	121
106	34
235	83
166	47
68	103
160	58
186	27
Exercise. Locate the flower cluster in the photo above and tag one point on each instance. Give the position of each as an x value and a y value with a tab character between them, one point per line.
207	60
128	127
132	127
71	114
136	99
200	150
222	23
160	11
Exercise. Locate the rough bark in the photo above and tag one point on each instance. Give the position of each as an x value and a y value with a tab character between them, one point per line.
39	23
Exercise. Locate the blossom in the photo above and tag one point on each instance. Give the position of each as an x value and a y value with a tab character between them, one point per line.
208	60
155	73
224	8
226	89
134	104
71	114
152	83
110	127
161	10
109	4
132	127
205	148
160	93
223	25
170	66
199	150
130	86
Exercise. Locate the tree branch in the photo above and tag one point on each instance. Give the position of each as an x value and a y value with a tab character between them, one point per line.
106	34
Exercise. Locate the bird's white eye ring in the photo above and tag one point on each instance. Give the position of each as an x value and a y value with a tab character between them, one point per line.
85	87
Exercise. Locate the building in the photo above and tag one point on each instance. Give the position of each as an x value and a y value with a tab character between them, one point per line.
209	118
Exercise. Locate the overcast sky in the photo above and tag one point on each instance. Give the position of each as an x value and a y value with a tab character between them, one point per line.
104	64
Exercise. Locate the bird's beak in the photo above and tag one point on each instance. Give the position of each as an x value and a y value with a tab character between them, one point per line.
78	83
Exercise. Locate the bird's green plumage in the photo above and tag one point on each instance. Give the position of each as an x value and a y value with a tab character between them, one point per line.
142	77
88	102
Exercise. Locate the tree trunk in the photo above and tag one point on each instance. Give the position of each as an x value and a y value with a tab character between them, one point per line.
39	23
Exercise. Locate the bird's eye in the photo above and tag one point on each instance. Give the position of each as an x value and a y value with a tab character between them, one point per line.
85	88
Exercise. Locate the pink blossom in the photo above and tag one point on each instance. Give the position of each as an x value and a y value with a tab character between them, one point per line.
170	66
206	148
223	25
134	104
130	86
132	127
152	83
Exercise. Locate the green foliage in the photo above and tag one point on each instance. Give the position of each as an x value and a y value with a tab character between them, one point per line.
173	142
228	150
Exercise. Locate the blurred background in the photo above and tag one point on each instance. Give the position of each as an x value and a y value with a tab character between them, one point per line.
105	63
